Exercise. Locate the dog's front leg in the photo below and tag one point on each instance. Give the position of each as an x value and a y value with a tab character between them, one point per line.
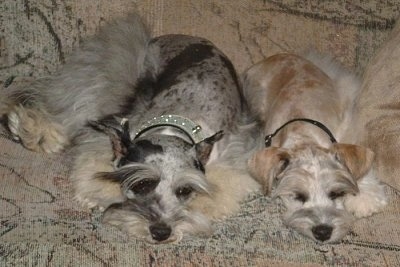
371	198
93	156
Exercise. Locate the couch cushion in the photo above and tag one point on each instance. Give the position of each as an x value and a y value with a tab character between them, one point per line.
379	109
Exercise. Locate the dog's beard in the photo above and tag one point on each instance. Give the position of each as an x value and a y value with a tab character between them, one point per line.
184	222
335	223
152	199
313	196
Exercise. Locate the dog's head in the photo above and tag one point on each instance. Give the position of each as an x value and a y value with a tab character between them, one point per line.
159	176
312	183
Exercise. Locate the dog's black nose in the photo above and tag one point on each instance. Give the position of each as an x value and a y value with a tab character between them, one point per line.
322	232
160	231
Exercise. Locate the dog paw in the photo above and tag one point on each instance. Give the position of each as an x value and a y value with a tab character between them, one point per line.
100	200
364	204
35	131
92	192
89	203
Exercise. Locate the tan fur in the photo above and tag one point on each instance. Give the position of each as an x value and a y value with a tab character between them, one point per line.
231	186
265	164
358	159
91	192
283	85
287	86
35	130
324	180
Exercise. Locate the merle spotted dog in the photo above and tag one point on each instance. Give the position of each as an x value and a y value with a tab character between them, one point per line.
143	117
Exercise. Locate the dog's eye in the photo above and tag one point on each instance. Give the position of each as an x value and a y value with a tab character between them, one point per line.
336	194
184	192
300	197
145	186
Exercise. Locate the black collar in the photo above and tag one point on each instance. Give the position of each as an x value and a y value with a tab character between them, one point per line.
268	138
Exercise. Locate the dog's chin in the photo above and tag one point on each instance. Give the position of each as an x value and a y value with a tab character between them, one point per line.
137	227
305	220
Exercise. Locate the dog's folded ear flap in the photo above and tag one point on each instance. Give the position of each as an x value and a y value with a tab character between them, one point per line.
204	148
357	159
267	164
119	135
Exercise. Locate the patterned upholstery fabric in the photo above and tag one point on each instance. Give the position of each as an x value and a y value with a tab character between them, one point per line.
40	224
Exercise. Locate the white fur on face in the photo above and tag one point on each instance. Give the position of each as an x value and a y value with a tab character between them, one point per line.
312	188
164	203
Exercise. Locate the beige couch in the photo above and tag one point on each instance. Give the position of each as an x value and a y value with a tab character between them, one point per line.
41	226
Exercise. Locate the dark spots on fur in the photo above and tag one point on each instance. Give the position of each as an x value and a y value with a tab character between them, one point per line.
149	86
170	93
146	86
190	56
144	93
139	150
149	146
200	76
199	166
228	64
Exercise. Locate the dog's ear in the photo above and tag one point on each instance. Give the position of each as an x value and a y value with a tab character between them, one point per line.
267	164
119	136
357	159
204	148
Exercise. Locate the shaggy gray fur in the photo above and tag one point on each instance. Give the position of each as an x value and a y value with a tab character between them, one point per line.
122	72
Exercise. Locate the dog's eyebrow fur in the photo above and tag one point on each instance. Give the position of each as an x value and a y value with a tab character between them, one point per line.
128	171
343	182
196	180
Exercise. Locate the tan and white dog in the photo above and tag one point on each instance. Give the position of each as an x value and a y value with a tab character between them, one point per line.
303	106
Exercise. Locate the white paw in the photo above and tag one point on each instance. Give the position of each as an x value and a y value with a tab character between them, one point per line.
35	131
88	203
364	205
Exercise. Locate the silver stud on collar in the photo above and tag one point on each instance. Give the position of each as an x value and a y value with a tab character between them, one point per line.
191	129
